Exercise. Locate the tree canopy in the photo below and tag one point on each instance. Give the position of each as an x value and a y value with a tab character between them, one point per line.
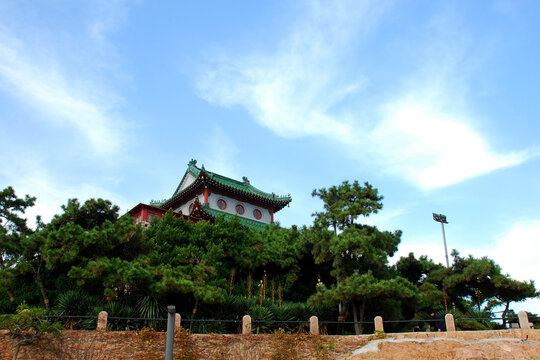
89	257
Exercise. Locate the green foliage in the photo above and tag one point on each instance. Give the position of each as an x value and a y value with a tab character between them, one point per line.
27	326
11	209
12	228
74	302
150	307
88	259
344	203
93	213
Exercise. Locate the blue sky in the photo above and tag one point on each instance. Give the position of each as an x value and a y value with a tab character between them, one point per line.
435	103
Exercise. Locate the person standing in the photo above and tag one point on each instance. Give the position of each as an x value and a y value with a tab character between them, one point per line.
438	324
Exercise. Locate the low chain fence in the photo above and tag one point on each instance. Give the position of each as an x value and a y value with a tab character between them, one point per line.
260	326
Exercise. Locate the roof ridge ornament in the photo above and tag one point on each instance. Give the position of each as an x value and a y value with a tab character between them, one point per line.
246	181
192	162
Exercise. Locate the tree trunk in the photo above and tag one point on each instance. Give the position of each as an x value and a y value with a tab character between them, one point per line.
10	294
41	287
16	351
249	285
193	314
343	312
357	329
342	317
264	285
231	281
504	314
362	312
445	301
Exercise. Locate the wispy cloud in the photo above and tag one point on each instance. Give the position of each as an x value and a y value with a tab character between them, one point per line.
304	88
108	16
516	251
68	94
292	91
27	174
432	146
220	153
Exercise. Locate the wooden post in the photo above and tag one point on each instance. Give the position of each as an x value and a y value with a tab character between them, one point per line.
177	321
314	325
102	321
246	325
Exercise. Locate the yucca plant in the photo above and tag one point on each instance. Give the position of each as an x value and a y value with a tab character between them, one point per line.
283	313
236	306
118	309
75	302
483	323
258	313
150	308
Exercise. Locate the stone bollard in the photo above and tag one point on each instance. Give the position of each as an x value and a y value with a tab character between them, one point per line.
523	320
379	324
450	324
314	325
102	321
246	325
177	320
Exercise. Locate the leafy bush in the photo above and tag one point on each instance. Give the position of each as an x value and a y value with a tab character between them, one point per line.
27	326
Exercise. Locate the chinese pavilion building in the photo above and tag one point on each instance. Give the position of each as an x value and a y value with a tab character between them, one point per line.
204	195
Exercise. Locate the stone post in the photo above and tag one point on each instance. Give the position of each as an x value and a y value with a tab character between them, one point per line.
246	325
102	321
177	320
523	320
450	324
314	325
379	324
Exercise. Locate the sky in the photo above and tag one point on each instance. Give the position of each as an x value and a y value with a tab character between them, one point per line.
434	103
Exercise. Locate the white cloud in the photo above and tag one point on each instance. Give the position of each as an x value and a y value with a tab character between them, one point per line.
433	147
429	246
42	84
383	219
304	88
27	175
516	251
220	153
292	90
109	16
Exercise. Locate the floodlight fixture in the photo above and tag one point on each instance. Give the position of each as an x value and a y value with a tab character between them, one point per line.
442	219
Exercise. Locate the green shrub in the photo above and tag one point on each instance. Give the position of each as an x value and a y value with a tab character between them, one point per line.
26	326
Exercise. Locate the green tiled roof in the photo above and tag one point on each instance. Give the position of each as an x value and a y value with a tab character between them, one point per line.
247	222
243	187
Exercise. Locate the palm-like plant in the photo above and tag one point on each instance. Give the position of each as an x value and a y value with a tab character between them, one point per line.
75	302
149	307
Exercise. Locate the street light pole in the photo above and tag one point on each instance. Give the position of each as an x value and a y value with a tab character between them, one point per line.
442	219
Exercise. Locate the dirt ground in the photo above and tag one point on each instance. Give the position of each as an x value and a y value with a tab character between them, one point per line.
442	349
496	344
